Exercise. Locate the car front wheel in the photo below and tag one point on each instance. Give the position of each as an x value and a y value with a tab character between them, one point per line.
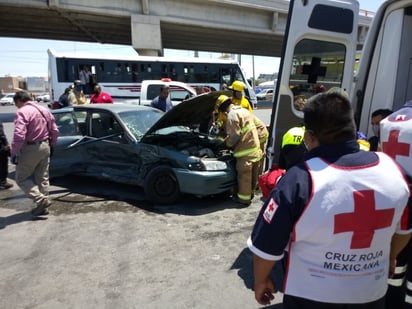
161	186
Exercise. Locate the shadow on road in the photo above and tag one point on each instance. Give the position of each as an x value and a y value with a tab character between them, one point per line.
18	218
244	264
67	190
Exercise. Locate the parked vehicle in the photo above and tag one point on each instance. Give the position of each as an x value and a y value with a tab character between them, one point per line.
7	99
45	97
325	52
265	94
162	152
150	89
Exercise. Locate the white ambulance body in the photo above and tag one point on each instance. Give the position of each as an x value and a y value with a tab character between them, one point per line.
322	51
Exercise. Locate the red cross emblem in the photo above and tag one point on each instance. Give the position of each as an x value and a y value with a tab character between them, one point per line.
393	148
364	220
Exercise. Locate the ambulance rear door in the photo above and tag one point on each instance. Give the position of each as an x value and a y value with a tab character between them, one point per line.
319	50
384	76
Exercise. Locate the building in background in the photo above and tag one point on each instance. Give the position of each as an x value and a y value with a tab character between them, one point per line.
32	84
12	84
36	84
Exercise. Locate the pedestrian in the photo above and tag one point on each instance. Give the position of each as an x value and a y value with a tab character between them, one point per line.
162	101
242	137
340	214
396	141
376	118
64	98
76	95
35	132
99	96
4	159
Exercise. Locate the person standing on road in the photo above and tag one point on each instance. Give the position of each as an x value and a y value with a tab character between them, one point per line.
341	213
35	132
64	98
263	135
396	141
242	137
99	96
4	159
162	101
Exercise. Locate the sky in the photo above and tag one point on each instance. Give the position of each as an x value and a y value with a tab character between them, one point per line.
28	57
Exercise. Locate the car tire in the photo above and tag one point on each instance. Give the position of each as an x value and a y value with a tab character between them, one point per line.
161	186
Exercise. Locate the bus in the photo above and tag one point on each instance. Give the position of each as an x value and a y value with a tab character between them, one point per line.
121	76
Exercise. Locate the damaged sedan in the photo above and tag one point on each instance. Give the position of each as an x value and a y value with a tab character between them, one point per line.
164	153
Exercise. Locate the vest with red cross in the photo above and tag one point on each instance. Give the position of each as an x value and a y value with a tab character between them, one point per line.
339	250
396	137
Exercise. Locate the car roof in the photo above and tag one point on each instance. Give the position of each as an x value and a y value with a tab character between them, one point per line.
117	108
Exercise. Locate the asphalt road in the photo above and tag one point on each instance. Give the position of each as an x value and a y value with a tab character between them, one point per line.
104	246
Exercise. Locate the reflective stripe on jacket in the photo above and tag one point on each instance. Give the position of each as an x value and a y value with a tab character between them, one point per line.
242	133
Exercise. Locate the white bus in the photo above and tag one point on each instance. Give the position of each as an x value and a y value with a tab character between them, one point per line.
121	76
321	53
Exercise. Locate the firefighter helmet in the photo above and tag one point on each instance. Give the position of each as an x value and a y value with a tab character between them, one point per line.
237	85
222	98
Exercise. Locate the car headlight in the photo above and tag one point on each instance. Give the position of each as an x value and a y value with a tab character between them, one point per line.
207	165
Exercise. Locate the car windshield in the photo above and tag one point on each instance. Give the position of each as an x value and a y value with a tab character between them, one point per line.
139	121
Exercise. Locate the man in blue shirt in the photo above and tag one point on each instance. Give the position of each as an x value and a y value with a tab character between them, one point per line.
162	101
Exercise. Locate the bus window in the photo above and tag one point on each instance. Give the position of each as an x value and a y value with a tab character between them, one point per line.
317	66
226	76
173	73
120	77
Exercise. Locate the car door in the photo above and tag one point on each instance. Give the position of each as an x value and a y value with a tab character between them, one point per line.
109	153
318	54
66	159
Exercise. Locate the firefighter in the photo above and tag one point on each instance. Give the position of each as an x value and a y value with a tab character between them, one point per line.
242	137
238	98
263	135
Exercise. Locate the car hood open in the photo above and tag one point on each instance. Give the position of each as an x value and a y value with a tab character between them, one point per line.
190	112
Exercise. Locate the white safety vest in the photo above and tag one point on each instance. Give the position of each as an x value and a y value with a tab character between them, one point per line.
339	252
396	139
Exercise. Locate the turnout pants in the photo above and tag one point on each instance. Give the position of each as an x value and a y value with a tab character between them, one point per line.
247	176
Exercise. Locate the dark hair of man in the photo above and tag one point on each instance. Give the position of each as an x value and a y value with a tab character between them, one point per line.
330	118
223	107
383	112
22	96
163	87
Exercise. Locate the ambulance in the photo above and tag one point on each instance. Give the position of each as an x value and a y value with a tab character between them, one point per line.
323	49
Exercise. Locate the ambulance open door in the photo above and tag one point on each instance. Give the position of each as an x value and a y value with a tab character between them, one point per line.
319	50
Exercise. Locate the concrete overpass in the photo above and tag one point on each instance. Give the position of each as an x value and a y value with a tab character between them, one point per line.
253	27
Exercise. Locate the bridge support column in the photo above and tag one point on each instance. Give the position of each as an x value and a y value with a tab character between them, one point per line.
146	35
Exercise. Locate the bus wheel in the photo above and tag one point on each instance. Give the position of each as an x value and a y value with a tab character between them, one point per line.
161	186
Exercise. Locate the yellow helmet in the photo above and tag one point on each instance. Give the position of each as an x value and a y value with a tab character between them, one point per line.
221	99
237	85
